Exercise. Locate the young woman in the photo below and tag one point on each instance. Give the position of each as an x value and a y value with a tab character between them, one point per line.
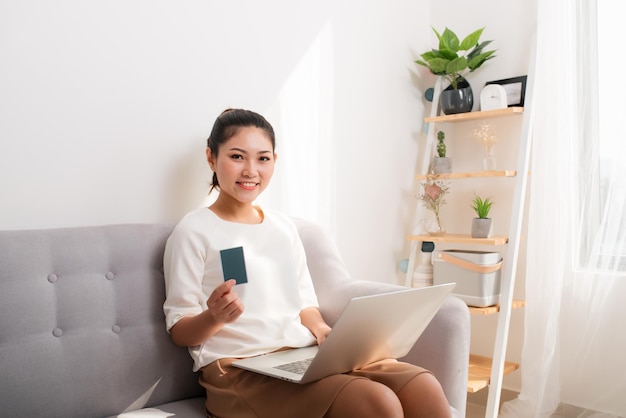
276	308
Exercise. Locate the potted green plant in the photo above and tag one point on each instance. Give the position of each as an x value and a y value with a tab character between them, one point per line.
452	61
482	225
441	163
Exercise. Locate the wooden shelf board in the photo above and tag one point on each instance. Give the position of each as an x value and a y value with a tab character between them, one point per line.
475	174
461	239
480	372
460	117
489	310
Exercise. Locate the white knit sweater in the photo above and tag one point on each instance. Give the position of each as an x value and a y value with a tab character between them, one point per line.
279	285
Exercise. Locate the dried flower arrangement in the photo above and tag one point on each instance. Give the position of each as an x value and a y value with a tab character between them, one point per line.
433	197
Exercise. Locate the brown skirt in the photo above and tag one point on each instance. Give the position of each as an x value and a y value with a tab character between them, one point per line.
233	392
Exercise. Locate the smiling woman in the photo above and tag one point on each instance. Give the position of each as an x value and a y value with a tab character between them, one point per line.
241	154
275	307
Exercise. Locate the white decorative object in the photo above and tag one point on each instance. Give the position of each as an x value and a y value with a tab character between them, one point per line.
485	133
423	274
493	96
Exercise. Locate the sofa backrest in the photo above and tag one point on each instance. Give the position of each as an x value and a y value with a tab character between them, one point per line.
82	331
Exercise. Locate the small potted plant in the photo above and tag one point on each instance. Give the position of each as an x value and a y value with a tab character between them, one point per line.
441	163
482	225
451	61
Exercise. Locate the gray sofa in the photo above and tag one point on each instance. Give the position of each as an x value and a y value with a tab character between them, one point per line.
82	329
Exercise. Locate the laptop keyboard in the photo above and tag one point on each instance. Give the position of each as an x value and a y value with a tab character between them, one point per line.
297	367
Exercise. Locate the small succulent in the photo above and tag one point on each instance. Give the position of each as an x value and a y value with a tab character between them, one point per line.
441	146
482	207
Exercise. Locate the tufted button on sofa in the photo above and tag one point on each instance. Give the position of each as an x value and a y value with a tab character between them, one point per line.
82	330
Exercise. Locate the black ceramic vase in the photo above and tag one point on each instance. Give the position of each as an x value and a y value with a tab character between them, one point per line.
460	100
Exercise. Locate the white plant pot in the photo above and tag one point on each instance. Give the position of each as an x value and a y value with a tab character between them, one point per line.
482	227
442	165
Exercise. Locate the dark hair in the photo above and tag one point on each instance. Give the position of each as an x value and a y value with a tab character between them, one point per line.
228	124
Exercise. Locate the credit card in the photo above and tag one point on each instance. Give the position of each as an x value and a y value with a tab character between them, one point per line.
234	265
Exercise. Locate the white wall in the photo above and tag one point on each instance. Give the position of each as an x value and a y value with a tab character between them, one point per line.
105	105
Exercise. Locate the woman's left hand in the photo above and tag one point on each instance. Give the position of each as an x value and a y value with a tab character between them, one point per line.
312	319
322	333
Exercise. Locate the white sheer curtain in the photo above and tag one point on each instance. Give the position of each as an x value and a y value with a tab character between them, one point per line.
573	360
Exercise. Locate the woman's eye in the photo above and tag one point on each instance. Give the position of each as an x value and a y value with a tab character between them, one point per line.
264	158
236	156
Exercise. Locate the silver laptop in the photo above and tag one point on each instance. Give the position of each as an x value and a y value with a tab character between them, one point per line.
370	328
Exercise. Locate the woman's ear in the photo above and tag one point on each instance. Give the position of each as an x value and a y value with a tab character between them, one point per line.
210	159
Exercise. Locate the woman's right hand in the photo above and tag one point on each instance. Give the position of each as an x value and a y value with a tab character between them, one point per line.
224	304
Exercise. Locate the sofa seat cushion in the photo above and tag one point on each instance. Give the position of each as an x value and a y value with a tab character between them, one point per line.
82	329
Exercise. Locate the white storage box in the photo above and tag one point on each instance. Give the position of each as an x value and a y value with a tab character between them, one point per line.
476	274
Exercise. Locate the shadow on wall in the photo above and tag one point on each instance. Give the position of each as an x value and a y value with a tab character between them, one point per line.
188	183
105	96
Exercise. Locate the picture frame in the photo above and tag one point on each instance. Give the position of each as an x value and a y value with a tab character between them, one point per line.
515	88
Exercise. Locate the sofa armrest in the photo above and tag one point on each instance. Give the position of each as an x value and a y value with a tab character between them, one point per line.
443	348
333	300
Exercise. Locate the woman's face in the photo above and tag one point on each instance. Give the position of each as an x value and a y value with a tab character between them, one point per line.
244	164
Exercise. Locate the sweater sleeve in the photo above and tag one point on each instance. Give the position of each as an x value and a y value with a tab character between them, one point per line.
183	263
308	296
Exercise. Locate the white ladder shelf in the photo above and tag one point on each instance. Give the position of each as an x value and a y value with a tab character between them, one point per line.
498	365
